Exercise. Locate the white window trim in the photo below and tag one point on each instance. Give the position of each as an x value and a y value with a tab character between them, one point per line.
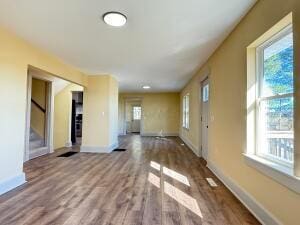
259	78
282	173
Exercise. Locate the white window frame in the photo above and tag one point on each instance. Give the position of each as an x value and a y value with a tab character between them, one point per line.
260	73
186	111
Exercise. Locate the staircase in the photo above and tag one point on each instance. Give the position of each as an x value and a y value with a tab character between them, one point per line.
35	140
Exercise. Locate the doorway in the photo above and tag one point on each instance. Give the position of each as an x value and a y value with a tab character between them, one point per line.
76	120
39	104
133	116
204	117
136	119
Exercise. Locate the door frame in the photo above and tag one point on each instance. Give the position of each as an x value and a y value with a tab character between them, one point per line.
132	120
126	101
70	143
33	73
204	79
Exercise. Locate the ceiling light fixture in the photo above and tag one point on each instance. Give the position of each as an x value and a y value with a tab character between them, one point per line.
146	87
115	19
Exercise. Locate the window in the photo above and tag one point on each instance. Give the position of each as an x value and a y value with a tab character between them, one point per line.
186	108
205	93
137	112
275	102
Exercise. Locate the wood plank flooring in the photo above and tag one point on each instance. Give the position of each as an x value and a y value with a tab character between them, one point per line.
155	182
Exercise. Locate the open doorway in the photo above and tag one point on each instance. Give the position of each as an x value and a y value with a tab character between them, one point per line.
204	117
136	119
40	103
49	113
133	116
38	135
76	120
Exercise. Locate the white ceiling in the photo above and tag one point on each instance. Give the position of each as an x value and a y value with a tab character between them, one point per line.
162	44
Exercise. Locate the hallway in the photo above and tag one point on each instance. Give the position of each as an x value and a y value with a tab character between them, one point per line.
156	181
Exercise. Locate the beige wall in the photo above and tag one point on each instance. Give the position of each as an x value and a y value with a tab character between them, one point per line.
62	115
100	110
192	135
15	56
37	117
38	92
227	134
160	112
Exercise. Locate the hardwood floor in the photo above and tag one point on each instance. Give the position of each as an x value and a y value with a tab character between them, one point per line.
156	181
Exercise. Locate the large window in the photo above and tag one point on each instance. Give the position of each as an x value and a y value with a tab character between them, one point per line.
275	102
186	109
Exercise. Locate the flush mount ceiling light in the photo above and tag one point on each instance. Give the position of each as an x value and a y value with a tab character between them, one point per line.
146	87
115	19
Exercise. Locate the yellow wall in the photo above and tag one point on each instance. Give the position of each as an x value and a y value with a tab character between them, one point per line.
160	112
62	115
15	56
192	135
227	70
113	110
37	117
38	92
100	114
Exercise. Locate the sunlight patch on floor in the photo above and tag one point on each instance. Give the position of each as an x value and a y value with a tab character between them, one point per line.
155	165
176	194
182	198
153	179
177	176
211	182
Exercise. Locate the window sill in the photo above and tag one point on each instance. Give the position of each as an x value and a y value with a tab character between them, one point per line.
281	174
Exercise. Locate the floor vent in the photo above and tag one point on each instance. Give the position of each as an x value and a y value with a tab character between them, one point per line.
67	154
211	182
120	150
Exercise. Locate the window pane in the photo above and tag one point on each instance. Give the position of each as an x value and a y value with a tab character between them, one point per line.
278	67
278	130
185	114
187	111
205	93
137	111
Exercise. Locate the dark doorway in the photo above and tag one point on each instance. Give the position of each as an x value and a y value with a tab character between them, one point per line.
77	111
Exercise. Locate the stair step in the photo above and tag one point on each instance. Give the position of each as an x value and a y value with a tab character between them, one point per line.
36	144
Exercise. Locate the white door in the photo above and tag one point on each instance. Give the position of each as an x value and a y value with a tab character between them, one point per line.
204	117
136	119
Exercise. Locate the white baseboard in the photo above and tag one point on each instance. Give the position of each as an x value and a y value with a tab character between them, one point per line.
154	134
99	149
190	145
11	183
261	213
